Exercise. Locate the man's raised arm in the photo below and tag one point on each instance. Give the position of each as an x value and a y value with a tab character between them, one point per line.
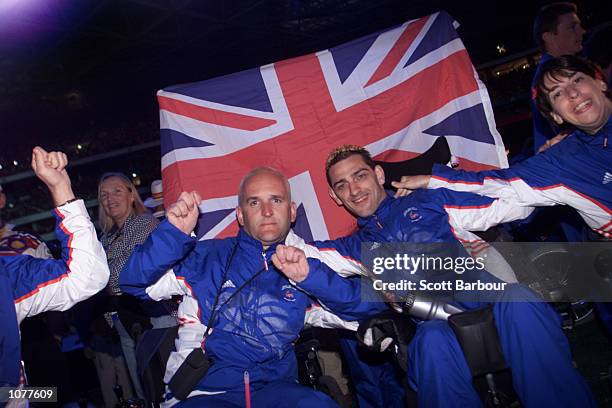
149	273
46	284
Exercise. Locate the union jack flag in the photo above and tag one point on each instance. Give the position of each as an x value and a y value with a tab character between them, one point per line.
393	92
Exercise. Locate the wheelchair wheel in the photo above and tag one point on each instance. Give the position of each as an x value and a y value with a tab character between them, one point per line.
329	386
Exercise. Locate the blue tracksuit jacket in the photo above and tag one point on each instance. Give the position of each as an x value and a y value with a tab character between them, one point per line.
576	172
29	286
533	343
255	331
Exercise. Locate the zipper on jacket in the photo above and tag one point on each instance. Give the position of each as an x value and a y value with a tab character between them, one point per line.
247	390
263	254
378	224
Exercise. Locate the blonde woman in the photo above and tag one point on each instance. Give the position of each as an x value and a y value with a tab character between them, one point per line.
125	223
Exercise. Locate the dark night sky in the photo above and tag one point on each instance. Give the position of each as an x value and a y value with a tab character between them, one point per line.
65	61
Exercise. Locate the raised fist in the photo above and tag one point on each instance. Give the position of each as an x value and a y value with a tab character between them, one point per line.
184	213
50	168
292	262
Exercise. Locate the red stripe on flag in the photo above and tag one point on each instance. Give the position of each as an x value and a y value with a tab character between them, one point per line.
469	165
394	155
319	127
214	116
229	231
398	51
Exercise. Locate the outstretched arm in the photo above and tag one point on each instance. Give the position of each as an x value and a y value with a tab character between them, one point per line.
477	213
538	181
525	183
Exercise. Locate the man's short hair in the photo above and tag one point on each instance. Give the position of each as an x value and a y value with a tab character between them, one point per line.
344	152
547	20
256	171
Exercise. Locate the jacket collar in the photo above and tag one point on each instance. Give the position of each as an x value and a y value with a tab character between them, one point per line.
598	138
380	213
248	243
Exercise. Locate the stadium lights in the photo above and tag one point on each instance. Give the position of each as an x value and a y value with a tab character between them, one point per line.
15	163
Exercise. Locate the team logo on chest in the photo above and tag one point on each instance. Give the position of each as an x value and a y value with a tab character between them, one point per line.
14	244
288	293
413	214
607	178
228	284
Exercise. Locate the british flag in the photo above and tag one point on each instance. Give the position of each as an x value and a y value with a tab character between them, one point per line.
394	92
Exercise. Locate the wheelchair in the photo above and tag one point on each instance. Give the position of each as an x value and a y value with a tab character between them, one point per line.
475	330
155	345
311	372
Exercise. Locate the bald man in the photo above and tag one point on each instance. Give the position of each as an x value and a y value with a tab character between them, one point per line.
238	310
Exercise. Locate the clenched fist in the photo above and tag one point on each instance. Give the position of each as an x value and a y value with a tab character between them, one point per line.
50	168
292	262
184	213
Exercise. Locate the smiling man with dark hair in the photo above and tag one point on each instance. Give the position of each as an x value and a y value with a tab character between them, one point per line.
532	341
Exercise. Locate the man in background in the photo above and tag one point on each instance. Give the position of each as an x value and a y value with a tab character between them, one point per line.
155	203
557	31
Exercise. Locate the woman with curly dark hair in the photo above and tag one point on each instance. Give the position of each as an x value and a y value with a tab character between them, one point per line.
576	171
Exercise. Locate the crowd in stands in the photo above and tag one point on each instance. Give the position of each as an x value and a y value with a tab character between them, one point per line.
84	142
510	85
27	197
